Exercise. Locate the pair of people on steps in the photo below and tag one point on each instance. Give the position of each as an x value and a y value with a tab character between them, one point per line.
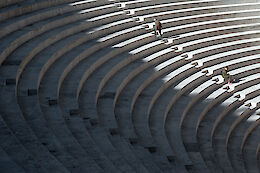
226	76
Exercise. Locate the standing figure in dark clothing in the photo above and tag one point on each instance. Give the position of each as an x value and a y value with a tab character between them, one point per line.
157	27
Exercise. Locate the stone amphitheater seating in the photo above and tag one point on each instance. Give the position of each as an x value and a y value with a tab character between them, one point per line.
86	86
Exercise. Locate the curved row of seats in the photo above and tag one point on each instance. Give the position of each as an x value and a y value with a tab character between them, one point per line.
94	90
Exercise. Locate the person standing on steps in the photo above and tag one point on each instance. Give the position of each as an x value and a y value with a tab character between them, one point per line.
157	27
226	76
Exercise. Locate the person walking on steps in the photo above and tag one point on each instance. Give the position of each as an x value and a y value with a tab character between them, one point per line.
157	27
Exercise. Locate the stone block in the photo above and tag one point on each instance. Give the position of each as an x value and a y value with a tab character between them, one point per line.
53	102
108	95
171	158
192	147
133	141
94	122
74	112
189	167
32	92
114	131
151	149
10	82
11	62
